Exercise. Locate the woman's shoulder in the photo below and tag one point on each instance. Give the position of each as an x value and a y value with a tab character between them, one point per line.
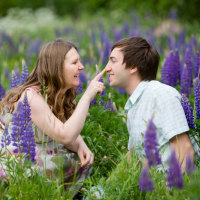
32	93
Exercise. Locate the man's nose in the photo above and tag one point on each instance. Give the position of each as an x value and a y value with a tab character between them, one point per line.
107	68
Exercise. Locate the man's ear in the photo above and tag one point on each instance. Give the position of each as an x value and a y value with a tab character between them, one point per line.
133	70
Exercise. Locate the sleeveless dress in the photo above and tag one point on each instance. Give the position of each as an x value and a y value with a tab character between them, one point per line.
53	160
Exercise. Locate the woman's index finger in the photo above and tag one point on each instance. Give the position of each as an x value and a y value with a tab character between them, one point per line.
99	75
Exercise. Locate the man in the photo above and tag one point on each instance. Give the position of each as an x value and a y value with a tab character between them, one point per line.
133	65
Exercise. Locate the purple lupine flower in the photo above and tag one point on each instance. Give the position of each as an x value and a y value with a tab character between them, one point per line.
93	102
188	62
197	64
174	177
185	81
188	111
7	38
18	122
145	182
122	91
79	88
33	49
25	72
182	37
27	110
22	131
171	69
2	92
171	41
14	82
193	43
82	77
166	71
197	97
103	93
178	66
28	142
189	168
151	145
118	34
17	73
5	138
126	28
109	105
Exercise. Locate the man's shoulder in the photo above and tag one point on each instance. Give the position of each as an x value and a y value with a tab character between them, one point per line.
157	88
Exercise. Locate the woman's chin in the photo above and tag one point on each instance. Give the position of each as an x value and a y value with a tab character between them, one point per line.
76	84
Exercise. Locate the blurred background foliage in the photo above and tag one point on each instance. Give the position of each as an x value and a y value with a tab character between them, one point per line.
186	10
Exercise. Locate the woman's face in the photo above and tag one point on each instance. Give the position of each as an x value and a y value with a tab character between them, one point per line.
72	68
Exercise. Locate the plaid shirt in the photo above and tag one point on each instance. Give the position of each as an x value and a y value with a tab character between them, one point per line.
152	98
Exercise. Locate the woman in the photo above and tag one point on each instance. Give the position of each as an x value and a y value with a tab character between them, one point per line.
57	121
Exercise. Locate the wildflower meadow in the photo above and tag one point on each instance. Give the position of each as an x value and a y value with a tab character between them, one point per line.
116	173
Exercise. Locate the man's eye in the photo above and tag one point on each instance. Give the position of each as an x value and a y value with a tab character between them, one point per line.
113	61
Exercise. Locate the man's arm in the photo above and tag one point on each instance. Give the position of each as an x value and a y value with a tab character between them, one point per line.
183	147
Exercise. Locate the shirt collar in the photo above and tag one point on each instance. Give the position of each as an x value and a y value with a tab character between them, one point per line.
136	94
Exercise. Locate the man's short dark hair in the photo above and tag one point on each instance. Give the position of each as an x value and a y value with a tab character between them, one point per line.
139	53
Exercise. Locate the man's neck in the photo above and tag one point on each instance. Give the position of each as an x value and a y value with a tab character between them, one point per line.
132	86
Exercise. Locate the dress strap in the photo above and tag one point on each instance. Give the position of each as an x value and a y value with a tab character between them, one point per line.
33	88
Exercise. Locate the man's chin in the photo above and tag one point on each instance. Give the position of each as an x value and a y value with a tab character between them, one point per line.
113	85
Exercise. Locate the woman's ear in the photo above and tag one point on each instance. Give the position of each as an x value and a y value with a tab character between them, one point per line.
133	70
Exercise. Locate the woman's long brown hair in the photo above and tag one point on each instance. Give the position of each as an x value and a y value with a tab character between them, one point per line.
48	73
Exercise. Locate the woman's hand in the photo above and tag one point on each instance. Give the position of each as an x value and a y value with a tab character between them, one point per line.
95	86
85	155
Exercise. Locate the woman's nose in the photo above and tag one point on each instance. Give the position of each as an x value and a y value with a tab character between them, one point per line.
81	67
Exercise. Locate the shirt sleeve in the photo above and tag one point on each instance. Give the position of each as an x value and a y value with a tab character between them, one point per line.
169	117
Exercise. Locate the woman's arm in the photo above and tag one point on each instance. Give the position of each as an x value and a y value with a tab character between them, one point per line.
64	133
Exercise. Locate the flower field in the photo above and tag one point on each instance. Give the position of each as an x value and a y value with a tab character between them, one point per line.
116	174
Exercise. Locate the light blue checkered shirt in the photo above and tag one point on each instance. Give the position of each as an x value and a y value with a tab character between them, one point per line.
154	98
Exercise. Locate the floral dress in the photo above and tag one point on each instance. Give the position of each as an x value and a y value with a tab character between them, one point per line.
53	160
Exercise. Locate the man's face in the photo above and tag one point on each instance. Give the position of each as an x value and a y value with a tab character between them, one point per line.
118	74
